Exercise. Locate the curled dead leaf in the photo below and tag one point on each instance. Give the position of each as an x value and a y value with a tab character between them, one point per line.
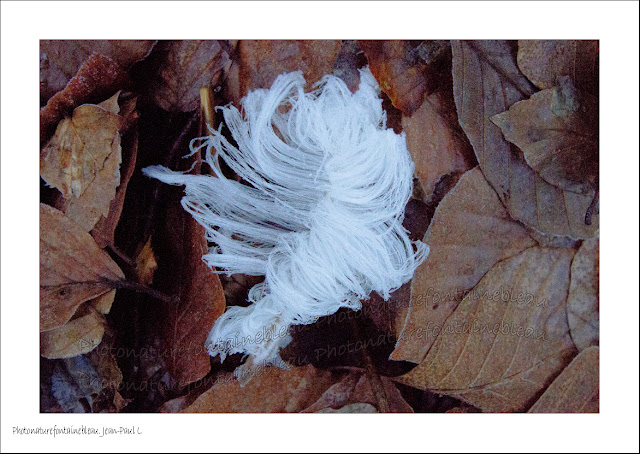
61	59
146	264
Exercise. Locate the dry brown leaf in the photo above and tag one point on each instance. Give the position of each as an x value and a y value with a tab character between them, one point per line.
350	59
271	390
104	230
98	78
73	269
487	82
351	408
470	232
78	336
185	67
61	59
583	305
260	62
355	389
436	146
508	338
558	133
545	61
403	69
104	302
146	264
577	388
79	149
186	324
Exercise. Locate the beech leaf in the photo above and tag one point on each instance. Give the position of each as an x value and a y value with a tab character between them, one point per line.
583	306
437	147
577	388
73	269
80	148
558	133
508	338
487	82
61	59
260	62
185	67
470	232
403	69
271	390
185	325
76	337
545	61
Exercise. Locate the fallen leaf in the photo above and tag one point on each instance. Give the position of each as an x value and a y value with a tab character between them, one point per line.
146	264
75	379
577	388
97	78
558	133
73	269
583	305
260	62
436	144
351	408
545	61
185	67
185	325
61	59
104	230
405	69
355	390
508	338
348	63
78	336
104	302
89	383
79	149
459	257
271	390
487	82
463	408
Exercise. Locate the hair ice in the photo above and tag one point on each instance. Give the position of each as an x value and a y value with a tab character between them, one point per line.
321	217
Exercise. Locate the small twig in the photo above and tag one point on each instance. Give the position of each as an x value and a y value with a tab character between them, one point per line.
125	258
140	288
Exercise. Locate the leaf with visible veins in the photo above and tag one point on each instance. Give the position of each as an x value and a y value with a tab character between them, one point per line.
557	131
487	82
577	388
73	269
470	232
508	338
185	67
